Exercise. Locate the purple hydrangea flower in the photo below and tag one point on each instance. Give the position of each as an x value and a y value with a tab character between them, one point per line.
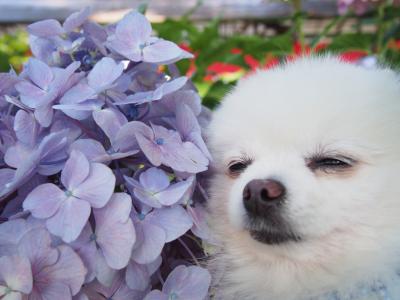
117	290
67	211
200	227
45	84
138	45
138	277
7	82
112	122
51	27
15	277
155	228
112	241
83	98
162	90
94	94
165	146
49	39
55	271
189	128
46	157
154	188
183	283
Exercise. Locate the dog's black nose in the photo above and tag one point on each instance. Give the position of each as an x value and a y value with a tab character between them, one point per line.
261	194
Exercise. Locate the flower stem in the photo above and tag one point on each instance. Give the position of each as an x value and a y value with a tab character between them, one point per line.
381	27
298	20
326	30
189	251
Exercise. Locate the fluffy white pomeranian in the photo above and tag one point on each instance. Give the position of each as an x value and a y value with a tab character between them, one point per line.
306	196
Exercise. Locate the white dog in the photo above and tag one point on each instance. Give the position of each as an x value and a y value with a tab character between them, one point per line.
306	196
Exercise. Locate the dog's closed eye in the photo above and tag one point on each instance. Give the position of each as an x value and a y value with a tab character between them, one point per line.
329	164
236	167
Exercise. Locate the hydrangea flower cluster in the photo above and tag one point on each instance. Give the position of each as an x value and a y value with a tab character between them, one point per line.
100	151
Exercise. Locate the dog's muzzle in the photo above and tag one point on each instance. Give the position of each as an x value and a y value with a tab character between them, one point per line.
263	200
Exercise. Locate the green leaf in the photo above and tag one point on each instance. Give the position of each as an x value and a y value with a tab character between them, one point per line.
352	41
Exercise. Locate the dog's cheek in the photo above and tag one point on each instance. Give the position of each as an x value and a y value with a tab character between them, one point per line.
219	200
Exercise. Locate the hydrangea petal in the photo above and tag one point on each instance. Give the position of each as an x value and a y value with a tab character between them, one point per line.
188	97
40	73
92	149
174	192
120	155
42	48
163	218
16	272
134	27
6	178
161	91
70	219
69	269
49	290
134	183
98	186
46	28
150	149
12	296
200	227
189	128
154	180
195	160
75	171
76	19
126	140
85	247
104	273
16	154
137	276
31	95
44	200
156	295
79	111
25	127
124	48
161	52
153	241
78	93
53	143
44	115
104	73
188	282
170	86
35	245
114	230
110	121
147	198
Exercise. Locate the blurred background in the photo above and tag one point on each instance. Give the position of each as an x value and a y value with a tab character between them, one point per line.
230	38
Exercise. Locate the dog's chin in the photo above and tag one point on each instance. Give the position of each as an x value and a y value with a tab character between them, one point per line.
273	229
274	238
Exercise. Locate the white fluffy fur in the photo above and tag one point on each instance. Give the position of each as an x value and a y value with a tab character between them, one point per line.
350	223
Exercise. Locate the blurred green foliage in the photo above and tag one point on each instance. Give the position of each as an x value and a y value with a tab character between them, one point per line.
250	52
14	50
221	60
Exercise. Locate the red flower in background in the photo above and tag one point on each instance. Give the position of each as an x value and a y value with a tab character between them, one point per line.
222	70
236	51
353	55
253	63
218	69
